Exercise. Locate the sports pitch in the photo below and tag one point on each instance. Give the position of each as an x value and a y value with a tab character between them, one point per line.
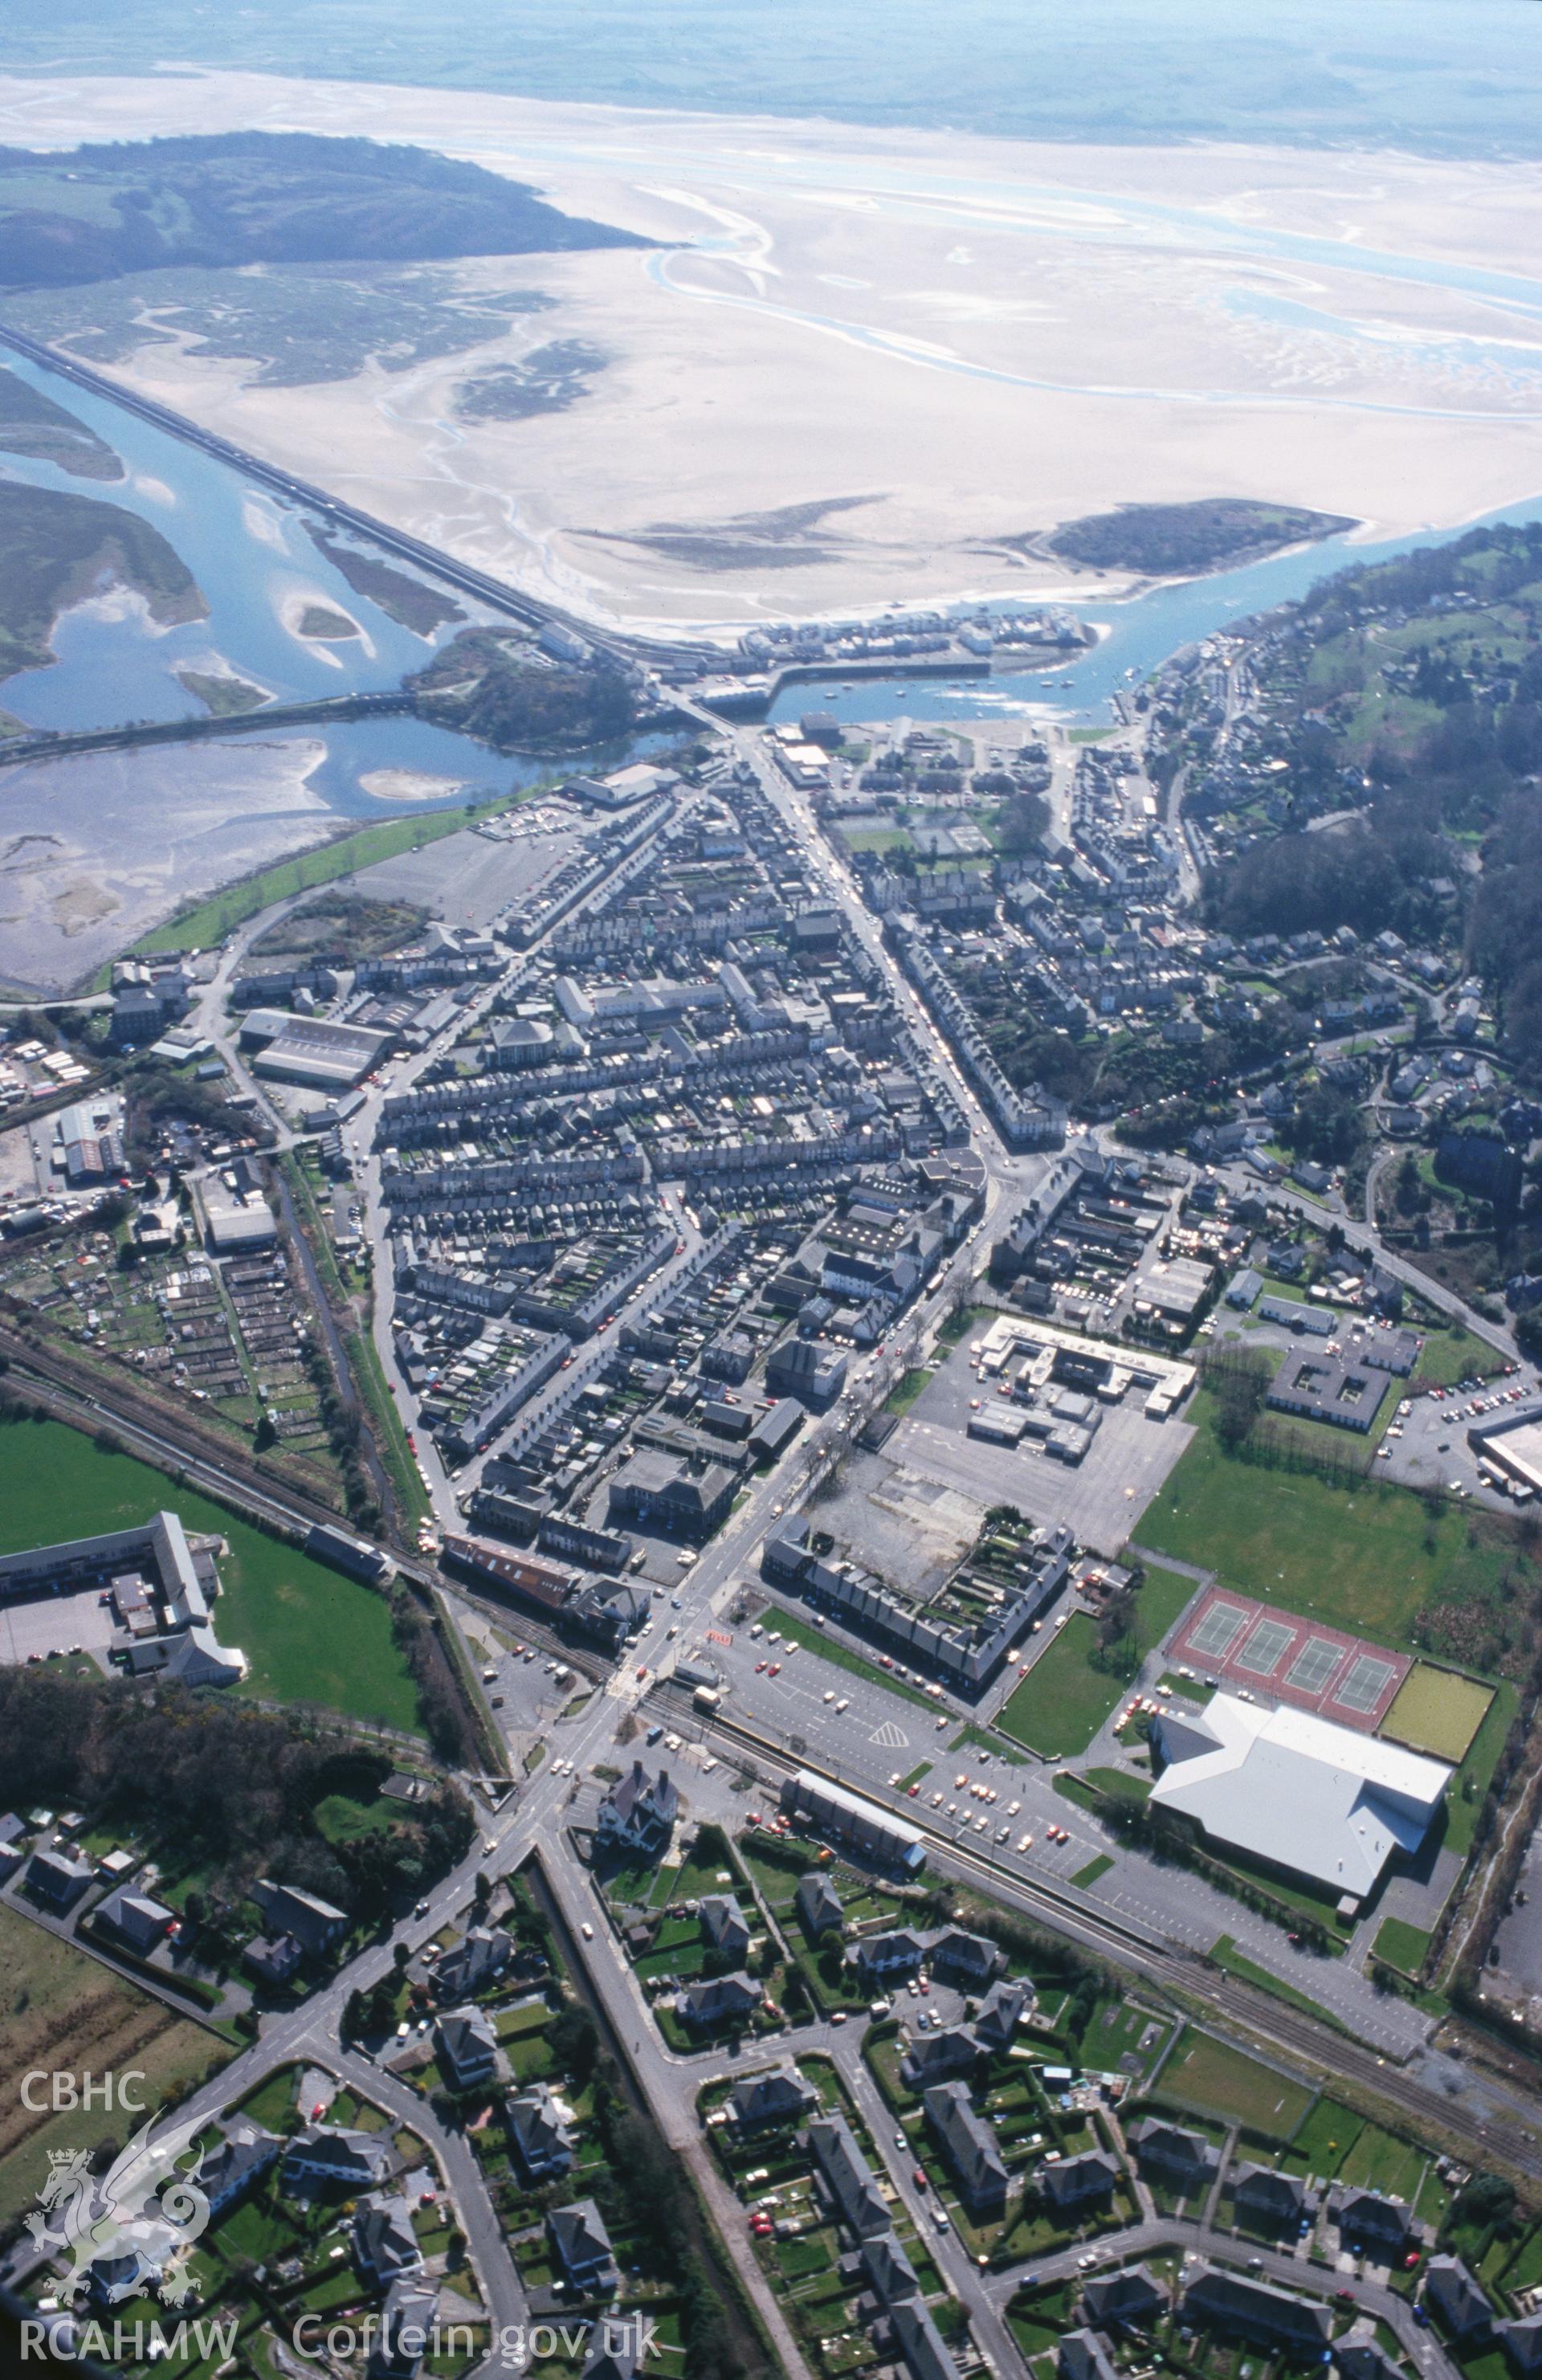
1436	1711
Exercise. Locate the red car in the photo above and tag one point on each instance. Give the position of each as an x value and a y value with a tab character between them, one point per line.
919	2179
774	1670
759	1666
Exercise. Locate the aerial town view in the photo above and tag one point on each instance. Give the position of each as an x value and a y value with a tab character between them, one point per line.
770	1190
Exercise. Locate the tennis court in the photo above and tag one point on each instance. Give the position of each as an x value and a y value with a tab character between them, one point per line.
1260	1656
1365	1684
1218	1632
1290	1658
1312	1668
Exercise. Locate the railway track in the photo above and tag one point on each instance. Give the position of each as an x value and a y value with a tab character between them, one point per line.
480	583
1319	2046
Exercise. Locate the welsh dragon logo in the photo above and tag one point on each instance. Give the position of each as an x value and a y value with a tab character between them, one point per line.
133	2225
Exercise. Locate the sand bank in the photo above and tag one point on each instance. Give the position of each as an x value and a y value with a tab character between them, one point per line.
409	786
867	356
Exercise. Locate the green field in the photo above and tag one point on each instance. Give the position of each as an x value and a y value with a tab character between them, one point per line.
310	1635
1367	1559
1321	2144
1466	1792
211	921
208	922
67	2013
1447	1356
1437	1711
1217	2079
1063	1700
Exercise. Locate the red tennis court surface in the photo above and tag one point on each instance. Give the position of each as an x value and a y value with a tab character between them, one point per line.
1281	1658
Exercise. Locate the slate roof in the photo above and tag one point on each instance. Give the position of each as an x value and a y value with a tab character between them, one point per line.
540	2138
849	2176
1458	2299
578	2236
1005	2005
1077	2179
1255	2308
724	1923
473	1963
383	2240
778	2097
719	1997
1082	2356
1261	2191
933	2056
1173	2150
968	2144
1370	2215
1134	2295
818	1904
972	1958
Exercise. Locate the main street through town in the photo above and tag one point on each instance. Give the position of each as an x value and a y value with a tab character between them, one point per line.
1161	1928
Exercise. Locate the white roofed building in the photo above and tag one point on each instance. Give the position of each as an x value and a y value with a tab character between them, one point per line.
1296	1791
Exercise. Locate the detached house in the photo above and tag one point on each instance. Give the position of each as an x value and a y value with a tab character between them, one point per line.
468	2047
819	1905
637	1812
723	1924
345	2160
473	1964
384	2243
582	2246
537	2134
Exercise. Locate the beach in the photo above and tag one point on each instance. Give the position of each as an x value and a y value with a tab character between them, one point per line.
860	360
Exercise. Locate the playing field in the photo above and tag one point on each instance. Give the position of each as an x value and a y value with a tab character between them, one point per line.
1220	2081
1366	1560
1436	1711
310	1635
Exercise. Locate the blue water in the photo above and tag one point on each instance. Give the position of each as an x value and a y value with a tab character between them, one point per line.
1140	634
249	552
355	747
